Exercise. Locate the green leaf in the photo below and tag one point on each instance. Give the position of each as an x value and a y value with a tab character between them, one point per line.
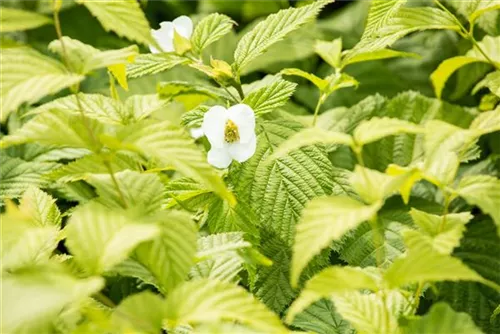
40	207
318	82
424	264
147	64
270	97
194	118
141	191
172	89
322	318
442	319
330	51
441	234
18	175
27	76
491	81
138	107
169	257
311	136
480	11
346	279
483	191
206	301
16	19
142	312
377	55
23	290
125	18
484	7
209	30
173	147
84	58
99	238
188	193
95	106
486	122
378	128
272	30
224	218
324	220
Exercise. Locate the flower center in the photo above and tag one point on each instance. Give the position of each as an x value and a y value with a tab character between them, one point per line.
231	133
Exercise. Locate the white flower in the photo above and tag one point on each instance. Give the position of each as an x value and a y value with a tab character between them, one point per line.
196	133
231	132
165	35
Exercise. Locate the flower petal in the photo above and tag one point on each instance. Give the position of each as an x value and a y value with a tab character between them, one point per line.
164	37
241	152
183	26
244	117
219	157
214	123
196	132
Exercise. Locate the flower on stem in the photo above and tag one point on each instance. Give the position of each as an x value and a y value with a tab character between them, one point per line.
231	133
165	35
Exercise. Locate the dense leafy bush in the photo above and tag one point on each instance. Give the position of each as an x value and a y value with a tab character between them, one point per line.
361	192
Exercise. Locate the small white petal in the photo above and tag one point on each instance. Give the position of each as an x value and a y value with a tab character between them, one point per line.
214	123
244	117
183	26
219	157
241	152
196	133
164	37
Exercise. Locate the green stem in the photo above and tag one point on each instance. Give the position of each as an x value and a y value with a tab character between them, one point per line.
240	91
418	292
480	49
318	106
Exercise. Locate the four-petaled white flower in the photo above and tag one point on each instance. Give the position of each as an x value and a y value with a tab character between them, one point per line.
231	132
165	35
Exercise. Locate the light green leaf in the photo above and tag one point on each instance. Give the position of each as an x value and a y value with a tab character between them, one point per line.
206	301
141	191
272	30
441	75
345	279
441	234
95	106
379	16
18	175
486	122
84	58
16	19
147	64
125	18
138	107
99	238
194	118
442	319
484	7
324	220
330	51
311	136
339	80
480	11
169	257
270	97
318	82
224	218
172	89
38	295
491	81
424	264
378	128
142	312
173	147
483	191
209	30
188	193
27	76
377	55
40	207
322	318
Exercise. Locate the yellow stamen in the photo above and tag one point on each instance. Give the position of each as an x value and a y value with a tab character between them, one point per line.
231	133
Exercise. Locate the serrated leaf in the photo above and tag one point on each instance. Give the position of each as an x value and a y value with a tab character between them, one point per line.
377	55
317	81
480	11
188	194
442	319
224	218
322	318
209	30
141	191
84	58
206	301
169	257
268	98
142	312
324	220
22	291
40	207
378	128
125	18
320	286
172	89
330	51
147	64
273	29
172	146
483	191
194	118
309	137
16	19
486	122
27	76
99	238
491	81
138	107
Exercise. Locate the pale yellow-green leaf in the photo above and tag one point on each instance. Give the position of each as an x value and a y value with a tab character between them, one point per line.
13	19
324	220
491	81
441	75
330	51
486	122
317	81
209	30
377	55
377	128
40	207
140	313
